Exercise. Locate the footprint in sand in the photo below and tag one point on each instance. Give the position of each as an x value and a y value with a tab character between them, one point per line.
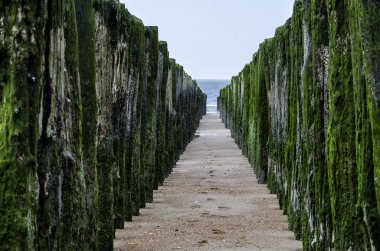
202	243
217	231
224	208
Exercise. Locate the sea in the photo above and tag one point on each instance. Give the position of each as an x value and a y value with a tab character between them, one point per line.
212	87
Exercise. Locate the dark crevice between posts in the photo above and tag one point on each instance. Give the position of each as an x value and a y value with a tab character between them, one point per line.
305	111
93	116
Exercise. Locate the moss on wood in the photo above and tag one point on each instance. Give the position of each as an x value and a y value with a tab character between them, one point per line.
315	85
79	87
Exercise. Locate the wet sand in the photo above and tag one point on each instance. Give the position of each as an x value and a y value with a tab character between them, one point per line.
211	201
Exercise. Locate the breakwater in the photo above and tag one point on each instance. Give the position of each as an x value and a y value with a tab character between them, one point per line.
93	116
306	112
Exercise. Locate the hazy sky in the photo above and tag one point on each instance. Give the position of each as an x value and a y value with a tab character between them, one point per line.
212	39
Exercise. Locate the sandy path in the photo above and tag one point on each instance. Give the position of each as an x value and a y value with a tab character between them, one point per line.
211	201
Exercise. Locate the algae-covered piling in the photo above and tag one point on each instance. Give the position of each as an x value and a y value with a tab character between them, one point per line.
93	116
306	113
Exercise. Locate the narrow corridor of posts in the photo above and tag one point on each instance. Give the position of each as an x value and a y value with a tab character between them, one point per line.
211	201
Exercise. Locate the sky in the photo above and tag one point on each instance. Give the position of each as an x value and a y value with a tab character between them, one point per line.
212	39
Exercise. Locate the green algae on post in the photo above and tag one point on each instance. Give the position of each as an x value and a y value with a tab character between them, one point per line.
315	84
79	81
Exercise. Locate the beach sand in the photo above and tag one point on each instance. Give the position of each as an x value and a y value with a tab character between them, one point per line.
211	201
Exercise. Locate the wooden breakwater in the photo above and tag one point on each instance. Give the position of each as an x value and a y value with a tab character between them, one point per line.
306	112
93	116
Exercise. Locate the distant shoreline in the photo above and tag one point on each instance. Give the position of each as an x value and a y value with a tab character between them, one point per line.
212	80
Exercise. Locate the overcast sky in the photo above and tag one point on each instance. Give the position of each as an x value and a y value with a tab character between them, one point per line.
212	39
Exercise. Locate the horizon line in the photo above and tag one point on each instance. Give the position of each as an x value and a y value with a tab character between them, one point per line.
212	79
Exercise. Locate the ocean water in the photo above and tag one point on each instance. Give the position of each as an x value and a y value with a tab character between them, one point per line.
212	87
